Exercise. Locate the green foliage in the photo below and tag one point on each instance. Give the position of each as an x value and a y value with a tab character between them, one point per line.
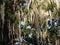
53	33
25	43
10	13
53	36
51	6
43	28
54	13
25	10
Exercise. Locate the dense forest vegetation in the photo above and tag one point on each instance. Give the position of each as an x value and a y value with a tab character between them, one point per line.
29	22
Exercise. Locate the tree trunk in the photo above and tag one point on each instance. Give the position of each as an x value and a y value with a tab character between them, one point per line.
9	29
19	27
37	28
13	34
18	17
2	16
